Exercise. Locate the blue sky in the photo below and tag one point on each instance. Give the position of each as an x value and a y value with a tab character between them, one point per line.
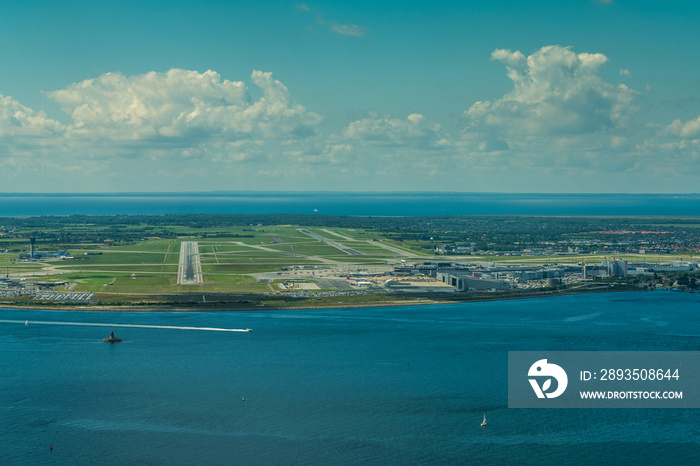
507	96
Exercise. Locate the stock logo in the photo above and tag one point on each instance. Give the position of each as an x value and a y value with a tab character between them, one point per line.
542	369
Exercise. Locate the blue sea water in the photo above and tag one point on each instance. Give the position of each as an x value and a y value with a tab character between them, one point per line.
395	385
339	203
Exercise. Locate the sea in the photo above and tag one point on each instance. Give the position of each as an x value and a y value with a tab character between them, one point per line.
348	203
359	386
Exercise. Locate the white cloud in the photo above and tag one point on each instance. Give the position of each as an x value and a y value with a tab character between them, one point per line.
119	125
560	106
555	91
29	142
689	129
561	121
414	130
353	30
339	153
347	29
18	120
182	104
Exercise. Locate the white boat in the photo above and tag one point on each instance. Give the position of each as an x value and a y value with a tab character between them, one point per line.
483	423
26	323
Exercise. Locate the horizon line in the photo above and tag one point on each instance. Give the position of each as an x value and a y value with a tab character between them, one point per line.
224	193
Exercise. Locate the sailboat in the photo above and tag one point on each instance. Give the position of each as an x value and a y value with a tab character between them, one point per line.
26	323
483	423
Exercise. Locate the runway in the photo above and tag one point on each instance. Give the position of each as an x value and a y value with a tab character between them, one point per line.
100	324
330	242
190	270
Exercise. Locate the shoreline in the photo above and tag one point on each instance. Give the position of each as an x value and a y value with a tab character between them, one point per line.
257	307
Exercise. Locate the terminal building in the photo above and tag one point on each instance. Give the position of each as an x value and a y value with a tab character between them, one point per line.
37	256
34	256
615	268
466	282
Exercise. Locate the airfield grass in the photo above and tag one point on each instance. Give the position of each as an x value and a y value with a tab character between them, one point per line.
172	258
220	278
124	268
224	248
8	260
161	246
236	288
124	257
249	253
242	268
123	282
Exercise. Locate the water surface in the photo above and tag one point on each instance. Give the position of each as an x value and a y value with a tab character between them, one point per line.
400	385
340	203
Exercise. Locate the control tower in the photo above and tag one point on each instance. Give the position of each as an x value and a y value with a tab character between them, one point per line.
31	247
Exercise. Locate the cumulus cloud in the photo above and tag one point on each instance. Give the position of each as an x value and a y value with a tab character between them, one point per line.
560	103
561	119
29	141
555	91
414	130
18	120
687	130
182	104
387	147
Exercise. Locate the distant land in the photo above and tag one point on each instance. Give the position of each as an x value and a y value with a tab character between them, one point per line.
244	261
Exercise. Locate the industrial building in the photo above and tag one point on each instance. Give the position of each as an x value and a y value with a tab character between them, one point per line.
615	267
34	256
465	281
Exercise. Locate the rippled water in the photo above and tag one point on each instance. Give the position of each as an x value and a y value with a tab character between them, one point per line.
401	385
339	203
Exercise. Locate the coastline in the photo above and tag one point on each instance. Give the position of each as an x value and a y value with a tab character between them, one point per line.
342	305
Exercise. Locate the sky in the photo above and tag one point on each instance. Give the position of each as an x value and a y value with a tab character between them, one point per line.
567	96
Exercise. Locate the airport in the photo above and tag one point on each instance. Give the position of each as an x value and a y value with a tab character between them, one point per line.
287	264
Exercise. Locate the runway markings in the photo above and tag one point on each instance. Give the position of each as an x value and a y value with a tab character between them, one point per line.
190	269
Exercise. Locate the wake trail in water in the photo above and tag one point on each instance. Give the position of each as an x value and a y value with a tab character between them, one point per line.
100	324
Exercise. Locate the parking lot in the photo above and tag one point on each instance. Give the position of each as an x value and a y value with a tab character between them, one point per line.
49	295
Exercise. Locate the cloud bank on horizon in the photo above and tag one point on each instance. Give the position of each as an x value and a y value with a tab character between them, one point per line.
564	126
